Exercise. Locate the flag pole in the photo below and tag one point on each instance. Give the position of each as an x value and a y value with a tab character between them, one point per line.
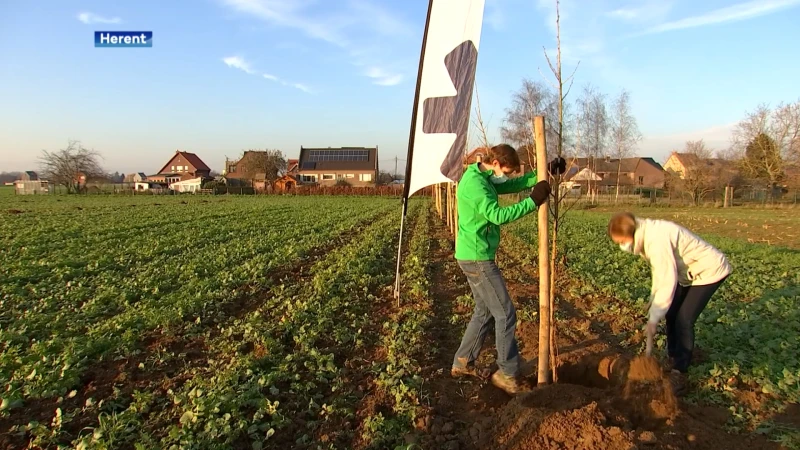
409	157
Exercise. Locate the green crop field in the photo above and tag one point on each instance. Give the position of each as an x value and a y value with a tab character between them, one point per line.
213	322
750	332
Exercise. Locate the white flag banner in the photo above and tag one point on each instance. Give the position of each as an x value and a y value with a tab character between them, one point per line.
444	96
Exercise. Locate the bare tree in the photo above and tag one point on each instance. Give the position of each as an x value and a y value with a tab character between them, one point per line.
558	210
625	133
269	163
531	100
64	167
483	136
698	178
593	123
766	140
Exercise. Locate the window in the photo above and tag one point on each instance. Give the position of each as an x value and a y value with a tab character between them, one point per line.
641	180
308	178
327	176
350	175
173	168
365	177
231	169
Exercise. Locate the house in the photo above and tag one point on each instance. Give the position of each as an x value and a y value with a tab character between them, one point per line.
358	166
248	168
293	166
30	183
636	171
29	175
716	168
180	167
137	177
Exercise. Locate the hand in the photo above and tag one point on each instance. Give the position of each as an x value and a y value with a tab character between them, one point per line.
557	166
540	193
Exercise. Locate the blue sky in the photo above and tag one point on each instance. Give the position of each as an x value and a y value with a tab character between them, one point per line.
228	75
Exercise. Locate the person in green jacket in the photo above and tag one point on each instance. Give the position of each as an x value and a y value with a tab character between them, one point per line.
479	218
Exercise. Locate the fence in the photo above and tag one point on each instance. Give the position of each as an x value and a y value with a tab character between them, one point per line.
128	189
631	195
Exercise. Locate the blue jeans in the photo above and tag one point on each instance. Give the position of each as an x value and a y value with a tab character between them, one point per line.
492	302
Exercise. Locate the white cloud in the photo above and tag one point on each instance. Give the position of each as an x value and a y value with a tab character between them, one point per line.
287	13
90	18
302	87
361	28
648	11
237	62
383	78
733	13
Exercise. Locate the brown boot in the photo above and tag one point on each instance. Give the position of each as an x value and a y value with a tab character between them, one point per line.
507	383
679	383
467	369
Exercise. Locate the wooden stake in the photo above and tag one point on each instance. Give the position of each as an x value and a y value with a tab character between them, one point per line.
455	210
725	202
544	261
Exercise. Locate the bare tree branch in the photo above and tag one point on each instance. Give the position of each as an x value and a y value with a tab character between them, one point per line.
71	167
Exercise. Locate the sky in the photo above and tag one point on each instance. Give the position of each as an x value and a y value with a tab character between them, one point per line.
224	76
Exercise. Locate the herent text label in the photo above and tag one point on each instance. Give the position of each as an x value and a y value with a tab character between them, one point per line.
123	38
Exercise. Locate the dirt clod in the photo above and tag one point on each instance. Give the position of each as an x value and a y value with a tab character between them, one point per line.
448	428
452	445
647	437
649	394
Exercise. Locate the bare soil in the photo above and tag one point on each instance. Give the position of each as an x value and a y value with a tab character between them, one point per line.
605	398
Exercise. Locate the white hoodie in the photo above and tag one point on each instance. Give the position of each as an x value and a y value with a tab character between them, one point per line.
676	255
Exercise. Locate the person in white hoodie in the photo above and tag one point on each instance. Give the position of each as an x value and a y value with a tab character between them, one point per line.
686	272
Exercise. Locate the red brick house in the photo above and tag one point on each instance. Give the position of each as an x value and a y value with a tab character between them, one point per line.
182	166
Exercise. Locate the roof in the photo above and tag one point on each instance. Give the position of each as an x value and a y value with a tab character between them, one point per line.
470	157
32	176
338	159
612	165
141	174
191	158
714	164
292	164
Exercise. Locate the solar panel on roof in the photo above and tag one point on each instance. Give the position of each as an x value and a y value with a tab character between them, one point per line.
309	165
338	155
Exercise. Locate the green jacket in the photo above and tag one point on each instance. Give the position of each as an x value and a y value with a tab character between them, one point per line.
480	215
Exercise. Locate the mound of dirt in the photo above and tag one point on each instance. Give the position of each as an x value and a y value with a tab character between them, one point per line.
561	416
649	394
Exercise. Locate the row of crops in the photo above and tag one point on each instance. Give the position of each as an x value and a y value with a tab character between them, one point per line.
749	334
95	286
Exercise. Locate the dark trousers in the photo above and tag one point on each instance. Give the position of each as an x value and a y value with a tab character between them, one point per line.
688	303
